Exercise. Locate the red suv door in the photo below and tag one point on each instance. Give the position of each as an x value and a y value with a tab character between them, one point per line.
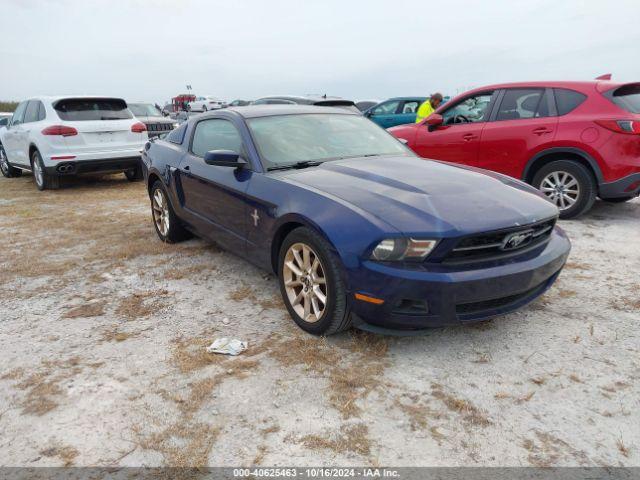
458	138
524	121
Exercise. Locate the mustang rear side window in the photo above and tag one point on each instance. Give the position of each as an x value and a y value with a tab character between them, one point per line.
87	109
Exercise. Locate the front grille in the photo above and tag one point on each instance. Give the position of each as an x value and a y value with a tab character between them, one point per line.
159	127
486	246
487	305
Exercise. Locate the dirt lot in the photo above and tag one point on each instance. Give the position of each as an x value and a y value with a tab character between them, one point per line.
102	355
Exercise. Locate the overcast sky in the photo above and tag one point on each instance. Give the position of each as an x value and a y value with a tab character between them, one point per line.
150	49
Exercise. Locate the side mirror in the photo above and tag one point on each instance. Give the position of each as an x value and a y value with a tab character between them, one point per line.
224	158
433	121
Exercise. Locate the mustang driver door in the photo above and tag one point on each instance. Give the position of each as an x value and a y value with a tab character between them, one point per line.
214	196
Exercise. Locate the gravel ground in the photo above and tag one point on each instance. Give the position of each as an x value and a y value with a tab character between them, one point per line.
103	332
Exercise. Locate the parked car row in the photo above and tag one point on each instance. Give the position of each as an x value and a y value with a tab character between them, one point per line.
358	228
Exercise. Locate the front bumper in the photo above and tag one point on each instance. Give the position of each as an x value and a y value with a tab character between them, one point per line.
72	167
628	186
454	296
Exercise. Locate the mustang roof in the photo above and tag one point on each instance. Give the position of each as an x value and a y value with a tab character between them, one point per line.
252	111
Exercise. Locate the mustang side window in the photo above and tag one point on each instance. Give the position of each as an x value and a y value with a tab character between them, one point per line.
470	110
216	134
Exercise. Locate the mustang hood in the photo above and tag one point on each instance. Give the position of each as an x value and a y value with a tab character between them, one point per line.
425	196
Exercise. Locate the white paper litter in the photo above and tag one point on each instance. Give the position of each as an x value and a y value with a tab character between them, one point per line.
227	346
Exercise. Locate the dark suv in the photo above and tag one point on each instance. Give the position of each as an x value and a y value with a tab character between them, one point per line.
572	140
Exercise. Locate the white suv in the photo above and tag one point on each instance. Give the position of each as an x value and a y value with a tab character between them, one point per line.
54	136
202	104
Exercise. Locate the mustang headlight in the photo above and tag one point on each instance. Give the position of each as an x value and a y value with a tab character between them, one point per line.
394	249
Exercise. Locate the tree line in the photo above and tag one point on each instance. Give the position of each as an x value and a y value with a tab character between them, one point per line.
8	106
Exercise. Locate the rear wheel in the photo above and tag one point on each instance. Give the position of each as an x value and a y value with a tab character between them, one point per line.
567	184
134	174
44	180
6	168
166	223
310	284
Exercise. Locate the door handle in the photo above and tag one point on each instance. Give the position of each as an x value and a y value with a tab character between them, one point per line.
469	136
541	131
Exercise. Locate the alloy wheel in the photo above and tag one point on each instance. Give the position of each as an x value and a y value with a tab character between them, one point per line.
160	207
561	188
4	163
305	282
37	171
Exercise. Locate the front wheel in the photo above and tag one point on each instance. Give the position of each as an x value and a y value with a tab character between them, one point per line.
165	221
43	179
7	170
567	184
310	284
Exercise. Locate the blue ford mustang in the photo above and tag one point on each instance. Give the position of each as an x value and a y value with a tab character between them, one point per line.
358	230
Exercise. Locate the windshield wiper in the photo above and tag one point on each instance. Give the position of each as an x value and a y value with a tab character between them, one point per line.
289	166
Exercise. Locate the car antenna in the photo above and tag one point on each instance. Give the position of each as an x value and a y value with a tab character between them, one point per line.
606	76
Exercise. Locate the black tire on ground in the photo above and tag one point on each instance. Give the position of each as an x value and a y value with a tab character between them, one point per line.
204	108
43	180
618	200
134	174
586	182
337	315
6	168
175	232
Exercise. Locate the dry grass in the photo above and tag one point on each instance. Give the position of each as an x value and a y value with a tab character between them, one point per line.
622	448
13	374
362	362
184	444
470	414
42	387
142	304
190	354
245	292
115	335
65	453
351	383
188	272
538	380
86	310
350	438
551	450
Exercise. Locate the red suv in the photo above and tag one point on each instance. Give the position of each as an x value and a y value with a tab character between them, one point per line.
572	140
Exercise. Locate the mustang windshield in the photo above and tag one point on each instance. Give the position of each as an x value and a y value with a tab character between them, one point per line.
318	137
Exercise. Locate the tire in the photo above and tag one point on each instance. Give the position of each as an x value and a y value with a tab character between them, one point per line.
336	315
574	181
134	174
7	170
204	108
44	180
165	221
618	200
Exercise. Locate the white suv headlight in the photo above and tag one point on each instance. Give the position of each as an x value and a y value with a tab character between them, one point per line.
395	249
